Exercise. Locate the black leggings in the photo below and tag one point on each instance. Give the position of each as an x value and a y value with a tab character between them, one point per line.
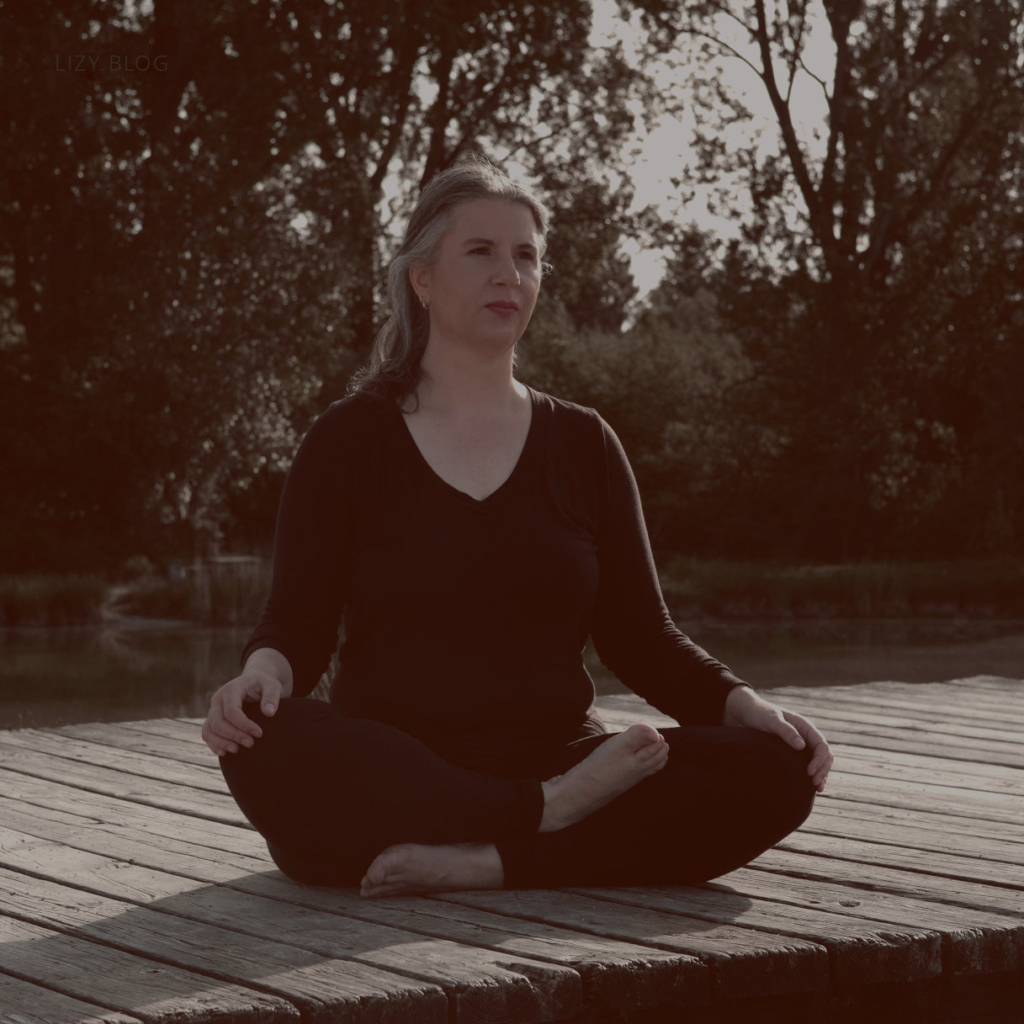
328	793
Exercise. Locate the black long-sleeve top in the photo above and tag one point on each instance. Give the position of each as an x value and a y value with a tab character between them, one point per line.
465	620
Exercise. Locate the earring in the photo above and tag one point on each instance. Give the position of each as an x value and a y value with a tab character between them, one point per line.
423	303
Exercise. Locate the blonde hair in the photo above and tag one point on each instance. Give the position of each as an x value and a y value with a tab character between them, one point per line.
393	370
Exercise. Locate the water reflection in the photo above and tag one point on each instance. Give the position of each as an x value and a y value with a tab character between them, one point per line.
150	670
112	673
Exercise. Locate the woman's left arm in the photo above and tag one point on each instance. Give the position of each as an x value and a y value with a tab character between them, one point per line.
744	707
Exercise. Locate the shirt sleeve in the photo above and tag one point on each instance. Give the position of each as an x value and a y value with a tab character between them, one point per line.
633	633
312	544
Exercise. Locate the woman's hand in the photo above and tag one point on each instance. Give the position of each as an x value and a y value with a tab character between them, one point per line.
227	727
744	707
266	678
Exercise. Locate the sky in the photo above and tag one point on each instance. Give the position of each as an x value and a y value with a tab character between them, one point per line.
666	149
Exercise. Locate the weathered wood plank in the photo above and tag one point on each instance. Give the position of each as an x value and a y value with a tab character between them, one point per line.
621	711
829	819
625	977
201	803
889	801
973	941
21	1002
921	768
319	987
613	973
1000	685
860	952
141	834
478	982
132	842
950	865
981	686
154	992
878	738
123	736
881	877
999	831
150	766
921	710
169	728
744	963
888	792
867	719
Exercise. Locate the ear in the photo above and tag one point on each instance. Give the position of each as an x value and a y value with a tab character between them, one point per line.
419	278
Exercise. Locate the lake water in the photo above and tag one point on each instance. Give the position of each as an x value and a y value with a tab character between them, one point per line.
152	670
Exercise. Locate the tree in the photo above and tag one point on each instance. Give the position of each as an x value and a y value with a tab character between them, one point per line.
877	257
664	385
192	253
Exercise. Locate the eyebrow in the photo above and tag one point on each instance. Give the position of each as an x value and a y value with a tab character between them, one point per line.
489	241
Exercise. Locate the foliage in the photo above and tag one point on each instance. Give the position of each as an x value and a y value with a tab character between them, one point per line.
190	258
48	600
663	387
211	593
875	284
783	590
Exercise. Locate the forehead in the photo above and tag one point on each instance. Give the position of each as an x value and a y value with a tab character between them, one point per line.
497	219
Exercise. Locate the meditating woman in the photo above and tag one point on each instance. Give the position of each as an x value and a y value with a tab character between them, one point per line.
474	532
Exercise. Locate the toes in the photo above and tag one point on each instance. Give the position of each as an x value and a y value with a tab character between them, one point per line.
642	735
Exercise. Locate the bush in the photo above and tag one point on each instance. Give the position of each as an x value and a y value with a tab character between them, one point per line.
222	592
52	600
729	589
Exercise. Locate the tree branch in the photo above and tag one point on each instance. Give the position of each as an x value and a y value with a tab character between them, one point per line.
819	222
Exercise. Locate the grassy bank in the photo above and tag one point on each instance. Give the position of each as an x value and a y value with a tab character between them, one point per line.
233	594
51	600
217	595
755	590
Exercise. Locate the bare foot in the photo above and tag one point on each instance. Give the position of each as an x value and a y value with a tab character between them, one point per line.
413	867
616	765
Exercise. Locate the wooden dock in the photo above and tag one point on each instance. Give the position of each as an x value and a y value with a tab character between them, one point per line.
131	890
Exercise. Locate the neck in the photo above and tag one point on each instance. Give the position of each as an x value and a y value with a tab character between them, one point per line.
461	383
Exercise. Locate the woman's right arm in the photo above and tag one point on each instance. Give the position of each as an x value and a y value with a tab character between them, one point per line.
266	678
292	645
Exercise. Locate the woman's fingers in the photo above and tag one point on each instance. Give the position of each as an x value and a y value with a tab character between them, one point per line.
747	709
220	735
773	719
227	726
821	756
219	744
243	728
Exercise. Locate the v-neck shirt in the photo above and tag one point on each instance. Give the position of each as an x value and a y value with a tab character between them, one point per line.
465	619
530	433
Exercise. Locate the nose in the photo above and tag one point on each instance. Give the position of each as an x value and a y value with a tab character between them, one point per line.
506	271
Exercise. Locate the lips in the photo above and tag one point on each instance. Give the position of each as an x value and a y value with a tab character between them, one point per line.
510	306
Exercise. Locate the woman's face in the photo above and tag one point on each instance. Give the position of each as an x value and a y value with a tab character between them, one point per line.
483	283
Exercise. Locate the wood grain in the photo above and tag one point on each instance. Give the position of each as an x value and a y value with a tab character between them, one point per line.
155	992
132	890
321	988
22	1002
744	963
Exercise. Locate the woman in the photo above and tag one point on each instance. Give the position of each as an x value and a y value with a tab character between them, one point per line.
475	532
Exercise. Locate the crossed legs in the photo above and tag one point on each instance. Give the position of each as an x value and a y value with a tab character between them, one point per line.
344	801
